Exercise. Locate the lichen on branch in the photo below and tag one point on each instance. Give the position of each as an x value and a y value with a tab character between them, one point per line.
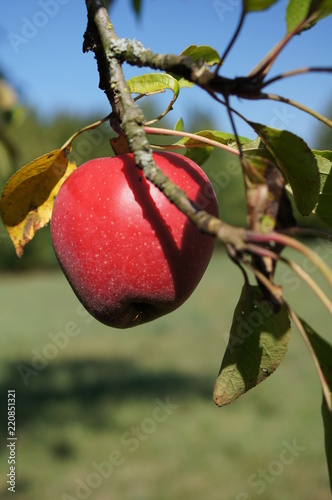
134	53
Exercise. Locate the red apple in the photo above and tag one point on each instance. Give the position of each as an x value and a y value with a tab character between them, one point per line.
128	253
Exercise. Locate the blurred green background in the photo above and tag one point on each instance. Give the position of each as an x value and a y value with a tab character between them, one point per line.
85	400
82	398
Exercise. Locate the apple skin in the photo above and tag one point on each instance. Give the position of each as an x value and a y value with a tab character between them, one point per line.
128	253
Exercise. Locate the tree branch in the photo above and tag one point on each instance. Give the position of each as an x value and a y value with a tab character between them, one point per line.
128	120
135	54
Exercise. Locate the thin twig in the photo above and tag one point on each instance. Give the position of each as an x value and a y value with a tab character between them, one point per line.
295	104
310	282
195	137
305	231
261	251
229	112
85	129
264	252
233	39
284	240
300	327
273	289
264	66
296	72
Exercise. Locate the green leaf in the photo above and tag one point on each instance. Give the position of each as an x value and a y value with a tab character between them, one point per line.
215	135
199	155
137	4
296	161
327	421
257	344
154	83
179	126
257	148
321	352
254	5
199	53
296	12
199	152
323	7
300	10
202	52
325	153
324	205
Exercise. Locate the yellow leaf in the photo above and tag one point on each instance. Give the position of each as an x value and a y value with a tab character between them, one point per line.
27	199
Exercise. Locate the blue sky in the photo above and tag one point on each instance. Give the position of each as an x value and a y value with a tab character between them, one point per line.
41	52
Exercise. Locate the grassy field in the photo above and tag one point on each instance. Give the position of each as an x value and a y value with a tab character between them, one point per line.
106	414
